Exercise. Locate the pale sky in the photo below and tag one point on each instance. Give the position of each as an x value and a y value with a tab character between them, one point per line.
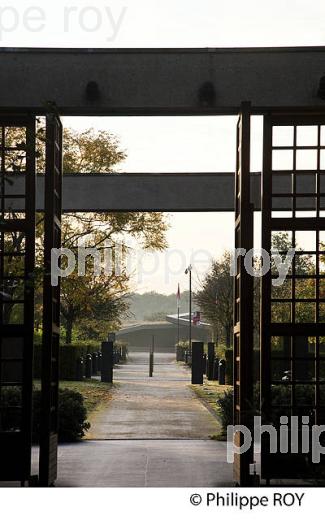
176	144
164	23
180	144
170	144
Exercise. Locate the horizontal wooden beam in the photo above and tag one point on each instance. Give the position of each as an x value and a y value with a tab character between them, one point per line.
160	81
148	192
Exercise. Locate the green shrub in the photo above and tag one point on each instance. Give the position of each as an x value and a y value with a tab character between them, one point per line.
72	413
281	397
226	403
72	416
10	401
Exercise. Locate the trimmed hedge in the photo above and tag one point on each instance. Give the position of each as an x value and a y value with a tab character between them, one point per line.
69	354
72	413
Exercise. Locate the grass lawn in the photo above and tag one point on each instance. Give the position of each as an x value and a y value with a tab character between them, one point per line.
209	392
95	393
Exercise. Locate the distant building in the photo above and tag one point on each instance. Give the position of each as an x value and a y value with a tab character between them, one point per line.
141	335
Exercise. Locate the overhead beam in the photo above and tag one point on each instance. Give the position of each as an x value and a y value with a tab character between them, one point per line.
137	192
149	191
160	81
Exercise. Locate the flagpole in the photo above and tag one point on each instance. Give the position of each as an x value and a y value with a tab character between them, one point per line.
188	271
190	310
178	297
178	325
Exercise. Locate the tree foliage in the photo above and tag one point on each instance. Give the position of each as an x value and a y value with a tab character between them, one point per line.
215	297
94	303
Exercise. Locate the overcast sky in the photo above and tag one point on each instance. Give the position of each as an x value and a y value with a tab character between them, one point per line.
164	23
170	144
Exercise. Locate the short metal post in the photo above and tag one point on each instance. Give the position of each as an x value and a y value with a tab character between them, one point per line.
89	364
204	363
80	369
210	361
222	372
151	360
94	363
99	361
215	369
151	364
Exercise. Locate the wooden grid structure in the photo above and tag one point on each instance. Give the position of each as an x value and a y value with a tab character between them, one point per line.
17	262
293	314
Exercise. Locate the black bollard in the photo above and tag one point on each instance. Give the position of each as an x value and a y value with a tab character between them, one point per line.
115	356
222	372
197	365
99	361
216	369
107	362
94	363
88	367
124	353
204	361
150	364
80	369
210	361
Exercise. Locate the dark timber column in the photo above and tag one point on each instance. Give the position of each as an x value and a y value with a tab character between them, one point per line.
243	299
17	263
51	304
197	363
107	362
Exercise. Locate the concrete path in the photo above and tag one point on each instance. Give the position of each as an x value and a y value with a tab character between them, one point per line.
161	407
147	463
153	433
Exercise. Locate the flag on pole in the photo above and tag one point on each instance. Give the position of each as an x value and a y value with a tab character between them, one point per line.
196	318
178	297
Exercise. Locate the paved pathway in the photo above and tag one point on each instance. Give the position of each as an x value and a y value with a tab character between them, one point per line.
153	433
146	463
161	407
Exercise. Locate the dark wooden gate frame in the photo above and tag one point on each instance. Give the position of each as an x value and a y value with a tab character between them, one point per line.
243	332
15	446
51	304
277	466
243	299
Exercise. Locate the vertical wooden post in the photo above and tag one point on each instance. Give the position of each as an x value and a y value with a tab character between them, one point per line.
197	363
107	362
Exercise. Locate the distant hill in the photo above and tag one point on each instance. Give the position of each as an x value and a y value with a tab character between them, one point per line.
153	306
